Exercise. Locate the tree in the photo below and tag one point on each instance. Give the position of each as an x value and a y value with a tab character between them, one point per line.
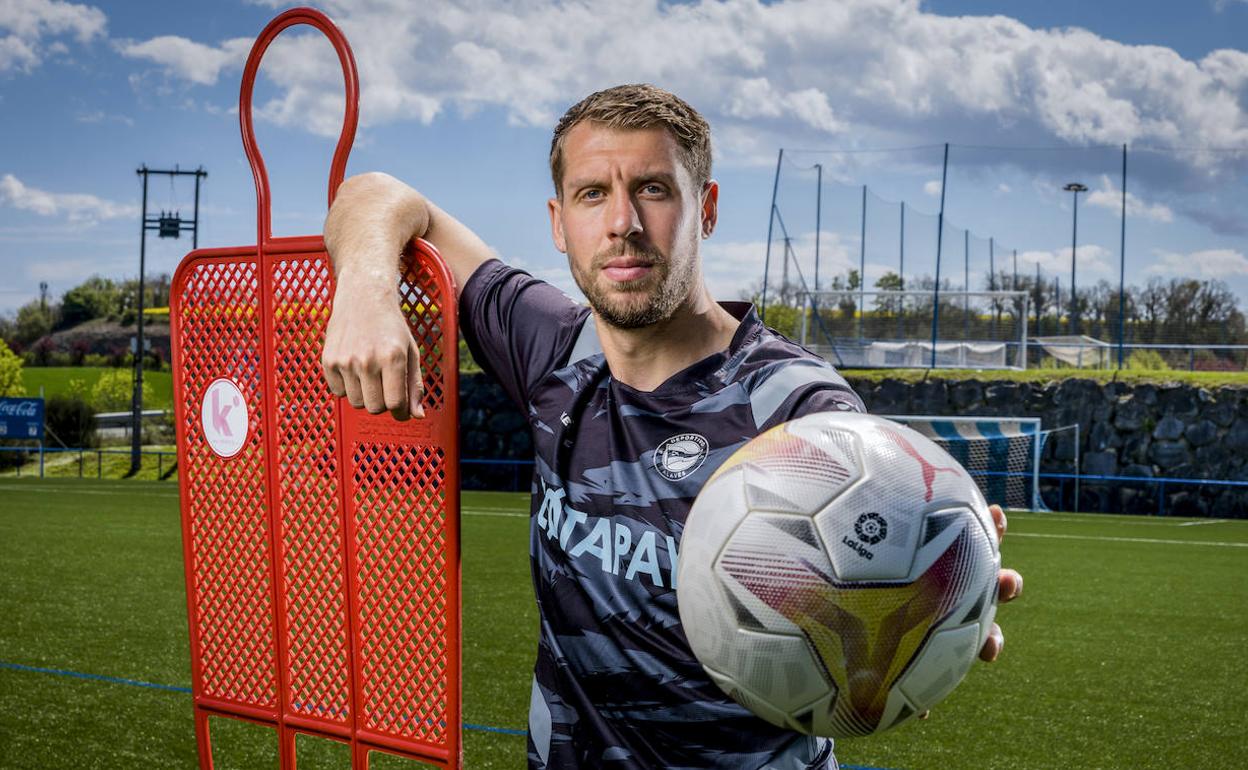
10	372
34	320
885	303
1152	305
95	297
71	420
114	390
890	281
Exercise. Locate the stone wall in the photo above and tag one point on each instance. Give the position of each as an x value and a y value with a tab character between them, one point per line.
1145	431
1140	430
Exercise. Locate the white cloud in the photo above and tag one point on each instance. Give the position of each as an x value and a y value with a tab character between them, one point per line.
794	74
1209	263
1091	260
80	208
186	59
100	116
733	268
932	188
1004	189
1110	197
25	26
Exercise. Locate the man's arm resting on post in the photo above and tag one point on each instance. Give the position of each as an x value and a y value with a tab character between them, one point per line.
369	354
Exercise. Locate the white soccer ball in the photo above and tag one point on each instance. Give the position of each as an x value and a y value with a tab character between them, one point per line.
838	574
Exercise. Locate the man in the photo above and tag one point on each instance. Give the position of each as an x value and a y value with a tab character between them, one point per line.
633	402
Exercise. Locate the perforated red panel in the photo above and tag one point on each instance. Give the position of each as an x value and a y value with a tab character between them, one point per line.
401	545
321	543
312	537
224	498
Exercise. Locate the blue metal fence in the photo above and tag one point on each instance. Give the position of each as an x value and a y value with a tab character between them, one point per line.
513	475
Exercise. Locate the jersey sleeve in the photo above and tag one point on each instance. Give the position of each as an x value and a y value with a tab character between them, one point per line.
797	388
518	328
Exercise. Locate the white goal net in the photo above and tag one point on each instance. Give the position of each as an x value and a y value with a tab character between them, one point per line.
1002	454
916	329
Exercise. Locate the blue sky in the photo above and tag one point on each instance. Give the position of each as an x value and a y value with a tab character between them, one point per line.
459	100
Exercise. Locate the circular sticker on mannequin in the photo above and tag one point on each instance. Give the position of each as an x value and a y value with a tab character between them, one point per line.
223	414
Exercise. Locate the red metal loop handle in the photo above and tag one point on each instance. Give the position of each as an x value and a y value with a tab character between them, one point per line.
351	113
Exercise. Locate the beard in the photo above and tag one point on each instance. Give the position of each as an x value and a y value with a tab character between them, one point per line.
639	303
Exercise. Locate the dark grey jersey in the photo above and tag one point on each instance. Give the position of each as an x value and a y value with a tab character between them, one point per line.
616	685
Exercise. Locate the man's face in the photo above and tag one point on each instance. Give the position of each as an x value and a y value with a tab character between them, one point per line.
629	219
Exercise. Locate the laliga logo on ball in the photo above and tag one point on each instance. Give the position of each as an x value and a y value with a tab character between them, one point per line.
223	415
871	528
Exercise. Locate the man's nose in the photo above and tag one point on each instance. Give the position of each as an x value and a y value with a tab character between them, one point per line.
624	218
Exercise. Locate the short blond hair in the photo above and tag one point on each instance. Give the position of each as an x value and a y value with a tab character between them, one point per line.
639	106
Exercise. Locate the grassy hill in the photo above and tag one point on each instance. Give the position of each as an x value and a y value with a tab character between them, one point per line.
55	380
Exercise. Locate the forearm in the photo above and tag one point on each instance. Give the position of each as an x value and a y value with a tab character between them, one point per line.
374	215
373	218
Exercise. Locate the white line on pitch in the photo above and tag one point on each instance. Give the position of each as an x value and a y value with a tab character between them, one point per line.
77	491
1093	518
493	512
1105	538
1198	523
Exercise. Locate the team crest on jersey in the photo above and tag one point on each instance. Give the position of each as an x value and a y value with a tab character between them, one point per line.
680	455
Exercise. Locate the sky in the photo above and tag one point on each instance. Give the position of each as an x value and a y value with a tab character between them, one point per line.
458	100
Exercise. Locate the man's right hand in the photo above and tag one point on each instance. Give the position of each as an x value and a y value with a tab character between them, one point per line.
369	354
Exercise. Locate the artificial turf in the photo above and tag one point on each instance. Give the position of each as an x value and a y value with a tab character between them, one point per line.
1126	649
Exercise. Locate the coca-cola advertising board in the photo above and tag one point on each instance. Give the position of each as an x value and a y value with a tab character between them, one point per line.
21	418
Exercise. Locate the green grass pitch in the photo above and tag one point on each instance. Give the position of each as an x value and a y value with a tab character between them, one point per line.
1126	651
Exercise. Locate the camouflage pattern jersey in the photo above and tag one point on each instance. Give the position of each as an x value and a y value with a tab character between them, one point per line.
616	686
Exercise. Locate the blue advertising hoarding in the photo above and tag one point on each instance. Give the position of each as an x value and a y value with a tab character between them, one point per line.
21	418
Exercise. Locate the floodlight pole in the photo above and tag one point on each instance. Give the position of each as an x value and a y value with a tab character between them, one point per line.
818	217
901	271
1122	264
862	263
166	226
901	259
940	232
771	221
1075	188
966	285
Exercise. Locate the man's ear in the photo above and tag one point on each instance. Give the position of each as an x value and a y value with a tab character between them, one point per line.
555	208
710	207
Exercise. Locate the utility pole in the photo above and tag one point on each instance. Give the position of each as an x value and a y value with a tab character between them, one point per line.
1075	188
168	225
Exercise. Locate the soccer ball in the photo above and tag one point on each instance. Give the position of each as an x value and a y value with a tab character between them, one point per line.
838	574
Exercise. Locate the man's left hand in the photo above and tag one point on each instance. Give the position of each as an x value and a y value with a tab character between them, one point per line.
1009	587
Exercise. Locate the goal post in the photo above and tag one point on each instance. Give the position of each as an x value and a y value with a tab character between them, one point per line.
1002	454
916	329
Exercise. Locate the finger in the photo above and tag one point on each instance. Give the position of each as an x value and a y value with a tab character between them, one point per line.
415	381
998	518
373	393
333	380
351	384
1009	585
394	386
992	647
